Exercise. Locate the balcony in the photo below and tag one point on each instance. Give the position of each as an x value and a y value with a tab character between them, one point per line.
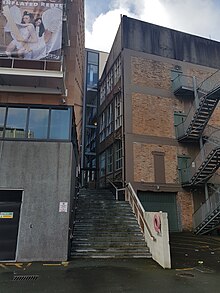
206	163
40	77
182	85
207	217
201	111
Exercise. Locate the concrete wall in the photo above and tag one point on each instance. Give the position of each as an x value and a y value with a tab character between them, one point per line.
149	38
43	170
159	247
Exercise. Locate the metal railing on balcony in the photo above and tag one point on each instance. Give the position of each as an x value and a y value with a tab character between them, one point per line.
206	213
202	108
206	162
209	84
183	85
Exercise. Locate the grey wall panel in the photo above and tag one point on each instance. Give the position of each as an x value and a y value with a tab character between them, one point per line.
43	170
153	39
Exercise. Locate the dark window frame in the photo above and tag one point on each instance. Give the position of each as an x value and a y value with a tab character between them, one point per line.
36	106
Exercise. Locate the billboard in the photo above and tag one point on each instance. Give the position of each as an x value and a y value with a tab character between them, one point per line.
31	29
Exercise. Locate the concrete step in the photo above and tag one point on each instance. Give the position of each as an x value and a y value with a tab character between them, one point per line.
105	228
101	230
104	245
103	238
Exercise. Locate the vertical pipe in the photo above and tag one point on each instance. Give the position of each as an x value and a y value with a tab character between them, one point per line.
84	125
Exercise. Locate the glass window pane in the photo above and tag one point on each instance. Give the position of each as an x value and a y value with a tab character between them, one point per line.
92	75
2	120
102	164
93	58
16	123
60	124
38	123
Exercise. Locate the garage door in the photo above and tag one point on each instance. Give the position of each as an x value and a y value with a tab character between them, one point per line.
10	202
161	201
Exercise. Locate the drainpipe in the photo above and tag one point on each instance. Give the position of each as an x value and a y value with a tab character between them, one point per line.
123	104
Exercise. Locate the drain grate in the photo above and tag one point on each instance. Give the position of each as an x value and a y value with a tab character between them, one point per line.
25	277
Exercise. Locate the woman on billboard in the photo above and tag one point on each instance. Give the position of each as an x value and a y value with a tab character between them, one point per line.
24	38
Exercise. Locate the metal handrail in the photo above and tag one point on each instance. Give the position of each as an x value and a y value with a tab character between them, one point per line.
139	208
212	143
116	188
208	85
206	209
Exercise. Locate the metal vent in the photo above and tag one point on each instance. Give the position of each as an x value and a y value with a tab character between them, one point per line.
25	277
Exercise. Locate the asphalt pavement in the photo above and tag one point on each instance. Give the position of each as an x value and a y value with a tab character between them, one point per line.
195	260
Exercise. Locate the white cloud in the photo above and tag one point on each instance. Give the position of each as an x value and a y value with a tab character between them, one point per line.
104	30
200	17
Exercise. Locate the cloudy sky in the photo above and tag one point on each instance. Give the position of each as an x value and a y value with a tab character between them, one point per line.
198	17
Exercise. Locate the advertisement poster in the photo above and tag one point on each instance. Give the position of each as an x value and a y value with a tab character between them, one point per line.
32	30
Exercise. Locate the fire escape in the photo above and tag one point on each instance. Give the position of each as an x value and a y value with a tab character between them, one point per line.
194	129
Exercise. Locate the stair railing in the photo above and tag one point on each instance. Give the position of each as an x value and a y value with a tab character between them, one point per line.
117	190
138	209
206	209
212	135
132	198
182	127
211	83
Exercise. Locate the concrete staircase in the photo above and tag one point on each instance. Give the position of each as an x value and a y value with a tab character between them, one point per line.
105	228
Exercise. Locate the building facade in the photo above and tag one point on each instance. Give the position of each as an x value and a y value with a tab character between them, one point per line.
41	91
158	106
94	64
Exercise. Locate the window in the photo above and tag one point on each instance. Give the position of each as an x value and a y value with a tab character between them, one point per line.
117	70
16	123
109	155
109	120
102	128
59	124
93	58
118	155
2	120
38	123
102	165
102	93
92	75
35	122
118	111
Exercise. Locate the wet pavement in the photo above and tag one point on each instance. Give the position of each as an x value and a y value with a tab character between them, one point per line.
189	250
196	268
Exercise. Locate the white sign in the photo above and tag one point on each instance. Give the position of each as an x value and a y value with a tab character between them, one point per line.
63	207
6	215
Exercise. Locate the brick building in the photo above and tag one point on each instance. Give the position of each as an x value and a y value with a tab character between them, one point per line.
158	106
41	91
